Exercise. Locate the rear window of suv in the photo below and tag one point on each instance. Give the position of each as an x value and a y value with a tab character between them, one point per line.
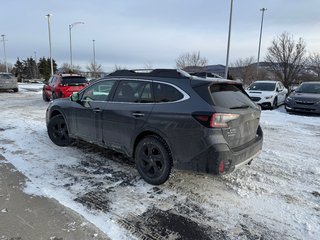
71	80
229	96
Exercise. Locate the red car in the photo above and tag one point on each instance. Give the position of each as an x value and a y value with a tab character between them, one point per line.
62	86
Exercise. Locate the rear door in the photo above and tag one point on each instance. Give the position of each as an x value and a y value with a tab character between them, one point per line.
230	98
126	113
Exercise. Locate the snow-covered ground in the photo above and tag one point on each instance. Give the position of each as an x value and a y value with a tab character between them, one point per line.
276	197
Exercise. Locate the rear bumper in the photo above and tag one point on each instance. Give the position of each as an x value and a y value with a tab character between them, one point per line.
8	86
209	160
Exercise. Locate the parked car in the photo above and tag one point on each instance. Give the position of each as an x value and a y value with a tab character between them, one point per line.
8	82
268	94
62	86
305	98
162	119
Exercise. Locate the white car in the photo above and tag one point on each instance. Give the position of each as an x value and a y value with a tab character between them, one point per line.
8	82
268	94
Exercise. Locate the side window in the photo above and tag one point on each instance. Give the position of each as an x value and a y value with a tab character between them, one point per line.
166	93
133	91
98	92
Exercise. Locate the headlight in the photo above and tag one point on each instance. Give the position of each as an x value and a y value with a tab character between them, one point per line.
269	97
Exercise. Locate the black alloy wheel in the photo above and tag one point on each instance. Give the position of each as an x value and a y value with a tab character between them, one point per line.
58	131
153	160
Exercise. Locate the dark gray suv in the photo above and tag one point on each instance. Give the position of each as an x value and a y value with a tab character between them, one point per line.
162	119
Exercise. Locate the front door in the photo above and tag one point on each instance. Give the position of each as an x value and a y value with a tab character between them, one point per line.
126	113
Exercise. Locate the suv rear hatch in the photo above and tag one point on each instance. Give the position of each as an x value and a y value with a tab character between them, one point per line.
233	112
74	81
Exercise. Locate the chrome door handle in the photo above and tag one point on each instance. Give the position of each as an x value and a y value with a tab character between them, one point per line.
138	114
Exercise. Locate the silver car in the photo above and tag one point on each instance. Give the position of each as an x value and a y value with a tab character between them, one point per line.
8	82
305	98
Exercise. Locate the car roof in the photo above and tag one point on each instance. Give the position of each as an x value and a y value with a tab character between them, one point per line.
266	81
311	82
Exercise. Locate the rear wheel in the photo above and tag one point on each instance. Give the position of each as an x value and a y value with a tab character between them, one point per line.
15	89
152	158
54	96
58	131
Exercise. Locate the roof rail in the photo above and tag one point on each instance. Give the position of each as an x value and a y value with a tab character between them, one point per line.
167	73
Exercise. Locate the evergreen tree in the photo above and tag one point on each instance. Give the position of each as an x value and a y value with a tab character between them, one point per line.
18	69
44	67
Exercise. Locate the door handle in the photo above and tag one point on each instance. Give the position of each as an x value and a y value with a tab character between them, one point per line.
97	110
138	114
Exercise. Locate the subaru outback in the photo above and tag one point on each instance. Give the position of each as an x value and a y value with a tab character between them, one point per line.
162	119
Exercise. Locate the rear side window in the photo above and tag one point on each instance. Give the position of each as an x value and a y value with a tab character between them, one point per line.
70	80
166	93
133	91
229	96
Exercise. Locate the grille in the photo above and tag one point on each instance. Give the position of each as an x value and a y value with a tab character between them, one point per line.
255	99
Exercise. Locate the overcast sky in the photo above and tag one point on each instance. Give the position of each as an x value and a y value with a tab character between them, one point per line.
133	33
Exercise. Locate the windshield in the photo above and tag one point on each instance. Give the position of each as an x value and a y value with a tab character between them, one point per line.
262	86
6	75
76	79
229	96
309	88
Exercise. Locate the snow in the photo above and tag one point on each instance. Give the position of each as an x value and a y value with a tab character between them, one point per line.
276	197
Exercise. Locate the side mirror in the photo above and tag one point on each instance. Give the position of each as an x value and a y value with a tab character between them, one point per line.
75	97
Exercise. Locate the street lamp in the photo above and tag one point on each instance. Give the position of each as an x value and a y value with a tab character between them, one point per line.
94	56
49	30
229	37
4	52
262	10
70	27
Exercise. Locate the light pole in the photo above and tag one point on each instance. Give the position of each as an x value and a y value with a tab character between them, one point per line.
229	37
70	27
49	30
4	52
94	57
258	62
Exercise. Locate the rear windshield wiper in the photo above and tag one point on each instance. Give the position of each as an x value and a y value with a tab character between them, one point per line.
239	107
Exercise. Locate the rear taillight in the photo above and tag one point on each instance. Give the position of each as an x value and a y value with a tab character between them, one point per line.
220	120
221	167
216	120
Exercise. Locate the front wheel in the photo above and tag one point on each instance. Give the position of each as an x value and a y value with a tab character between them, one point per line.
58	131
275	103
45	97
152	158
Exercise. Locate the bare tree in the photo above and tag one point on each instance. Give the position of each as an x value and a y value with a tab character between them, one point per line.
68	69
244	69
314	64
119	67
191	60
148	65
95	69
287	57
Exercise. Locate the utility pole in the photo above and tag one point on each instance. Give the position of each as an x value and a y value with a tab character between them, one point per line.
229	37
262	17
70	28
94	57
4	52
49	30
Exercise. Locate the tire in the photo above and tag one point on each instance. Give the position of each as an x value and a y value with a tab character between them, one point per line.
15	90
153	160
54	96
58	131
275	103
45	97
